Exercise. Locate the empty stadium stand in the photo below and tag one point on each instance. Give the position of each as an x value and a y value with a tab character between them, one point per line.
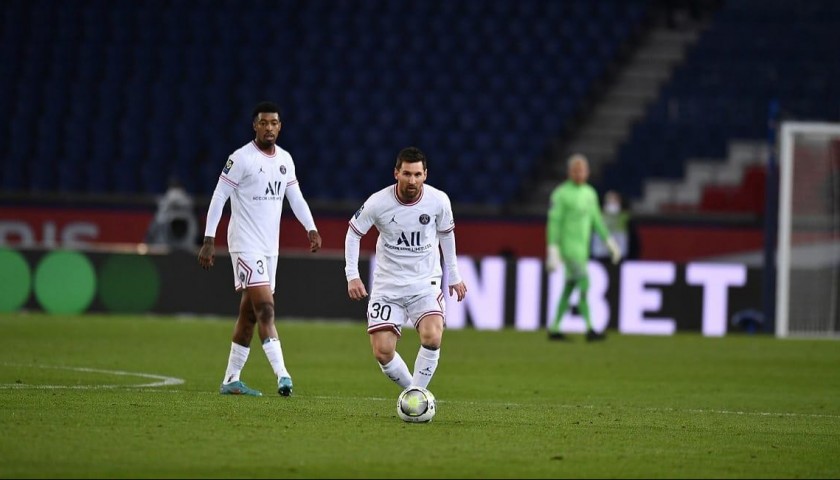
754	52
116	96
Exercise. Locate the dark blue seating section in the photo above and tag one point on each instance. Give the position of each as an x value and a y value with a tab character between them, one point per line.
754	52
114	96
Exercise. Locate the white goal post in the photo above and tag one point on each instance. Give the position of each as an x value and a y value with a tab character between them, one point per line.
808	255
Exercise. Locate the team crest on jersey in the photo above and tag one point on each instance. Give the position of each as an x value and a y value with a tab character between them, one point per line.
424	219
283	169
228	166
359	211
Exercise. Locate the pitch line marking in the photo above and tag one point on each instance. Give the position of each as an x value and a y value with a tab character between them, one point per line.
566	406
590	407
163	380
167	381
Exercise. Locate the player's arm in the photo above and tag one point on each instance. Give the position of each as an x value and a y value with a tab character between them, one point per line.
603	232
446	237
450	259
207	253
552	233
356	229
301	210
352	244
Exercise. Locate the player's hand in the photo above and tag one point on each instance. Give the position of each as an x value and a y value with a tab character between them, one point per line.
356	289
207	255
460	289
314	241
552	258
615	252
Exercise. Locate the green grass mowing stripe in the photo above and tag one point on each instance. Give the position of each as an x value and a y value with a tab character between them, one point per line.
512	405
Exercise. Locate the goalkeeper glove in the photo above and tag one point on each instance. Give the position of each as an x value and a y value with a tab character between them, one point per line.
552	257
615	252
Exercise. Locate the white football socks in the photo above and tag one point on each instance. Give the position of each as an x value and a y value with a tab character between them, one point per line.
274	352
424	366
397	371
236	362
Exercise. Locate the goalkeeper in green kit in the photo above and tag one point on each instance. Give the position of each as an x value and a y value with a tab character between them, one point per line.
573	213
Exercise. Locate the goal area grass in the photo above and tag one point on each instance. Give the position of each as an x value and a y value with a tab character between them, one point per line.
107	396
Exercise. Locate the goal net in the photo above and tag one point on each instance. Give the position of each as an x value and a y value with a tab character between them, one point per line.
808	262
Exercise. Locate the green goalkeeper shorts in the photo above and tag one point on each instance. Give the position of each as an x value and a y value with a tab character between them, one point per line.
576	270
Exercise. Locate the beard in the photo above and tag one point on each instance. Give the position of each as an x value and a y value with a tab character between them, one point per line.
410	192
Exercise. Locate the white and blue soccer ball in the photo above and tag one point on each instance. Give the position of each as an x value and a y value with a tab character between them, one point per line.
416	405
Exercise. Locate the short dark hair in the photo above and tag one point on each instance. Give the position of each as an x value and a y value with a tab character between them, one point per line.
265	107
410	155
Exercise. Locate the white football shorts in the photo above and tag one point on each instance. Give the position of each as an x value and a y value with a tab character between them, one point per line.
253	270
392	313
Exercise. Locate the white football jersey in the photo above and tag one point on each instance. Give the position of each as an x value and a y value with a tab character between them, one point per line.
259	181
407	254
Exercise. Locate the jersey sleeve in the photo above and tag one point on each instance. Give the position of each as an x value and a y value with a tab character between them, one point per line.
359	224
446	219
214	210
597	218
300	207
296	200
291	177
554	218
352	244
234	171
364	218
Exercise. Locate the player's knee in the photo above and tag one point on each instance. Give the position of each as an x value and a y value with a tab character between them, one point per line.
383	344
432	342
383	354
264	312
431	334
247	315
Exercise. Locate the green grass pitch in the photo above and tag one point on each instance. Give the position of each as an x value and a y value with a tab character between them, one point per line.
99	396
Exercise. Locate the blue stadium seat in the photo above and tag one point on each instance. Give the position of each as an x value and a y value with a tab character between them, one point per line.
754	52
487	80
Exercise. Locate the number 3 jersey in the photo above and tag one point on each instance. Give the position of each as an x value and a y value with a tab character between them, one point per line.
257	183
407	258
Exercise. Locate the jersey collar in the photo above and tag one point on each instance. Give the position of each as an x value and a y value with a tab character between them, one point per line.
419	197
257	148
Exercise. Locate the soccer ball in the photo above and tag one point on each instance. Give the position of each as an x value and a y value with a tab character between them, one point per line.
416	405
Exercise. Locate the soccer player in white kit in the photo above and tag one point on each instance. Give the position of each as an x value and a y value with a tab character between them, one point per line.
256	178
415	224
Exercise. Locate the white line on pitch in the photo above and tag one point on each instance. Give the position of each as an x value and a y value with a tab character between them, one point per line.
163	381
566	406
168	381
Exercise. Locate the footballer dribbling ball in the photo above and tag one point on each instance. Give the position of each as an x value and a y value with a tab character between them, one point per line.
416	405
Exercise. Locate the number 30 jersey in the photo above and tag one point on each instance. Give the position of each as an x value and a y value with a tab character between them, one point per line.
407	250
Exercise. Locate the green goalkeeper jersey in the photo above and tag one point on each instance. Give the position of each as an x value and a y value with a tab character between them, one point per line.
573	212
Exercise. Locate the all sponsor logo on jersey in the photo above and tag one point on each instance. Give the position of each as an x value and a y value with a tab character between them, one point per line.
272	192
412	240
273	188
